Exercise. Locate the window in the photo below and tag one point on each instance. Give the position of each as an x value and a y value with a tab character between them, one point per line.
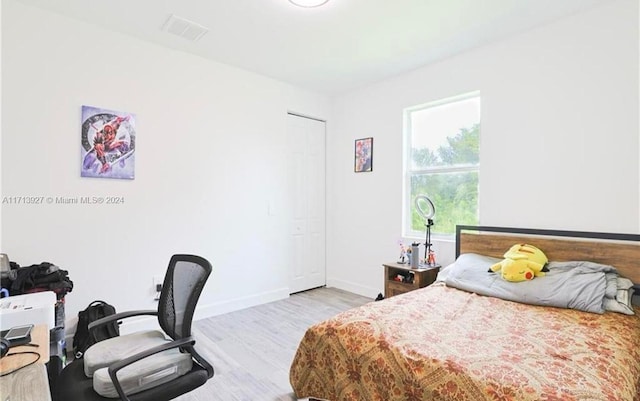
442	161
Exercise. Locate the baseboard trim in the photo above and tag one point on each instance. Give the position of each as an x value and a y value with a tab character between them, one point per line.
232	305
202	312
355	288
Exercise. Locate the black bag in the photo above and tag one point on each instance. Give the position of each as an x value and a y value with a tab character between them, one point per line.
83	339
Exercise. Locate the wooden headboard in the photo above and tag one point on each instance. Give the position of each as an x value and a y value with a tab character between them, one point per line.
619	250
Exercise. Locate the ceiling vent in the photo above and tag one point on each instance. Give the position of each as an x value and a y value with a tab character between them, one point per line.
185	28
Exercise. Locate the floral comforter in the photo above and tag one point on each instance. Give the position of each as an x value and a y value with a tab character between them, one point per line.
440	343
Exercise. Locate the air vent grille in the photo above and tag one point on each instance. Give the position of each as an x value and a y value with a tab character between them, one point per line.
184	28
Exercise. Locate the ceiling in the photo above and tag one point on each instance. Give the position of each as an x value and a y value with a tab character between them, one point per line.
340	46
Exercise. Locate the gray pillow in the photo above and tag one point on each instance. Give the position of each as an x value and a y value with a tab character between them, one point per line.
621	303
612	285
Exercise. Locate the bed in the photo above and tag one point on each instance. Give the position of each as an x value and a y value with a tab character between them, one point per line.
443	343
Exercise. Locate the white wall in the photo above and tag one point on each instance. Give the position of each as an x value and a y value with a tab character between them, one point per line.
0	124
559	140
211	153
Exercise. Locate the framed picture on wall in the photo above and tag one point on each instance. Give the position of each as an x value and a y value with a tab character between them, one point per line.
363	155
108	143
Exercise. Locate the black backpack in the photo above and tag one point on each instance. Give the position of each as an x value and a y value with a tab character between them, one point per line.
82	339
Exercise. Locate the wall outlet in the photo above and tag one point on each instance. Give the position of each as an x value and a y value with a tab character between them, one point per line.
157	280
157	286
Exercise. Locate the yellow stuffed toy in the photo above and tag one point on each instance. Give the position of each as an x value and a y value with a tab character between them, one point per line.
521	262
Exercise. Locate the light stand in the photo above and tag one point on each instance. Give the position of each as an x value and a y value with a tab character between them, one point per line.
427	210
427	241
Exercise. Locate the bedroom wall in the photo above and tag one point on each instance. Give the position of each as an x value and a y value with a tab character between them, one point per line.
1	248
559	142
210	159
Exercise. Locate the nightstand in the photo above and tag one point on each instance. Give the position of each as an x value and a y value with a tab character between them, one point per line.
412	278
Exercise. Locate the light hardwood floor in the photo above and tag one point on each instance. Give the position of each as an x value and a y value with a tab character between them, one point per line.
251	350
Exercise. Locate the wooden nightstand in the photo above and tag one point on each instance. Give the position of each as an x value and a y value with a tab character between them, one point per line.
415	278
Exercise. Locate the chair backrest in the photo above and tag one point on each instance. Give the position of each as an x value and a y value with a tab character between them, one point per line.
183	283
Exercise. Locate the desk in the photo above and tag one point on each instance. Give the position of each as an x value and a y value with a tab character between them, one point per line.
30	383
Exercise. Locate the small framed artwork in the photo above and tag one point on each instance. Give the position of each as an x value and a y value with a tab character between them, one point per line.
363	155
108	143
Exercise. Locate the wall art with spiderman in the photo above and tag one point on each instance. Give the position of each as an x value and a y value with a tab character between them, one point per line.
108	143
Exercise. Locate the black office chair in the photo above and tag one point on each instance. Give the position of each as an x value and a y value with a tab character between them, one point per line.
146	366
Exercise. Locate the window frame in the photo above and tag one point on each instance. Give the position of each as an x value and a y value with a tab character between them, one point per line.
408	172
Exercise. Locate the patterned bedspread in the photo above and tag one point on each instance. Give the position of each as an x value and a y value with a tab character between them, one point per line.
440	343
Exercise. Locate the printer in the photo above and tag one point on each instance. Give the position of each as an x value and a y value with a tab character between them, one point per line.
35	308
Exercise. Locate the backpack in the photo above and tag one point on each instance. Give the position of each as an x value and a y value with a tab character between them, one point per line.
83	339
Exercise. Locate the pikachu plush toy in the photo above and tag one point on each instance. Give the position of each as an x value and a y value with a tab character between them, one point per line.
521	262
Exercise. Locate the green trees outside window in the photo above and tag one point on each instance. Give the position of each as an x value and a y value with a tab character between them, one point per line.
442	165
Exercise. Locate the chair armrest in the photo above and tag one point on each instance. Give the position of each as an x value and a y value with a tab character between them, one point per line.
203	362
115	367
119	316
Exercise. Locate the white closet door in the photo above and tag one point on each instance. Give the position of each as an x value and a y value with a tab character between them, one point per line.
307	173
